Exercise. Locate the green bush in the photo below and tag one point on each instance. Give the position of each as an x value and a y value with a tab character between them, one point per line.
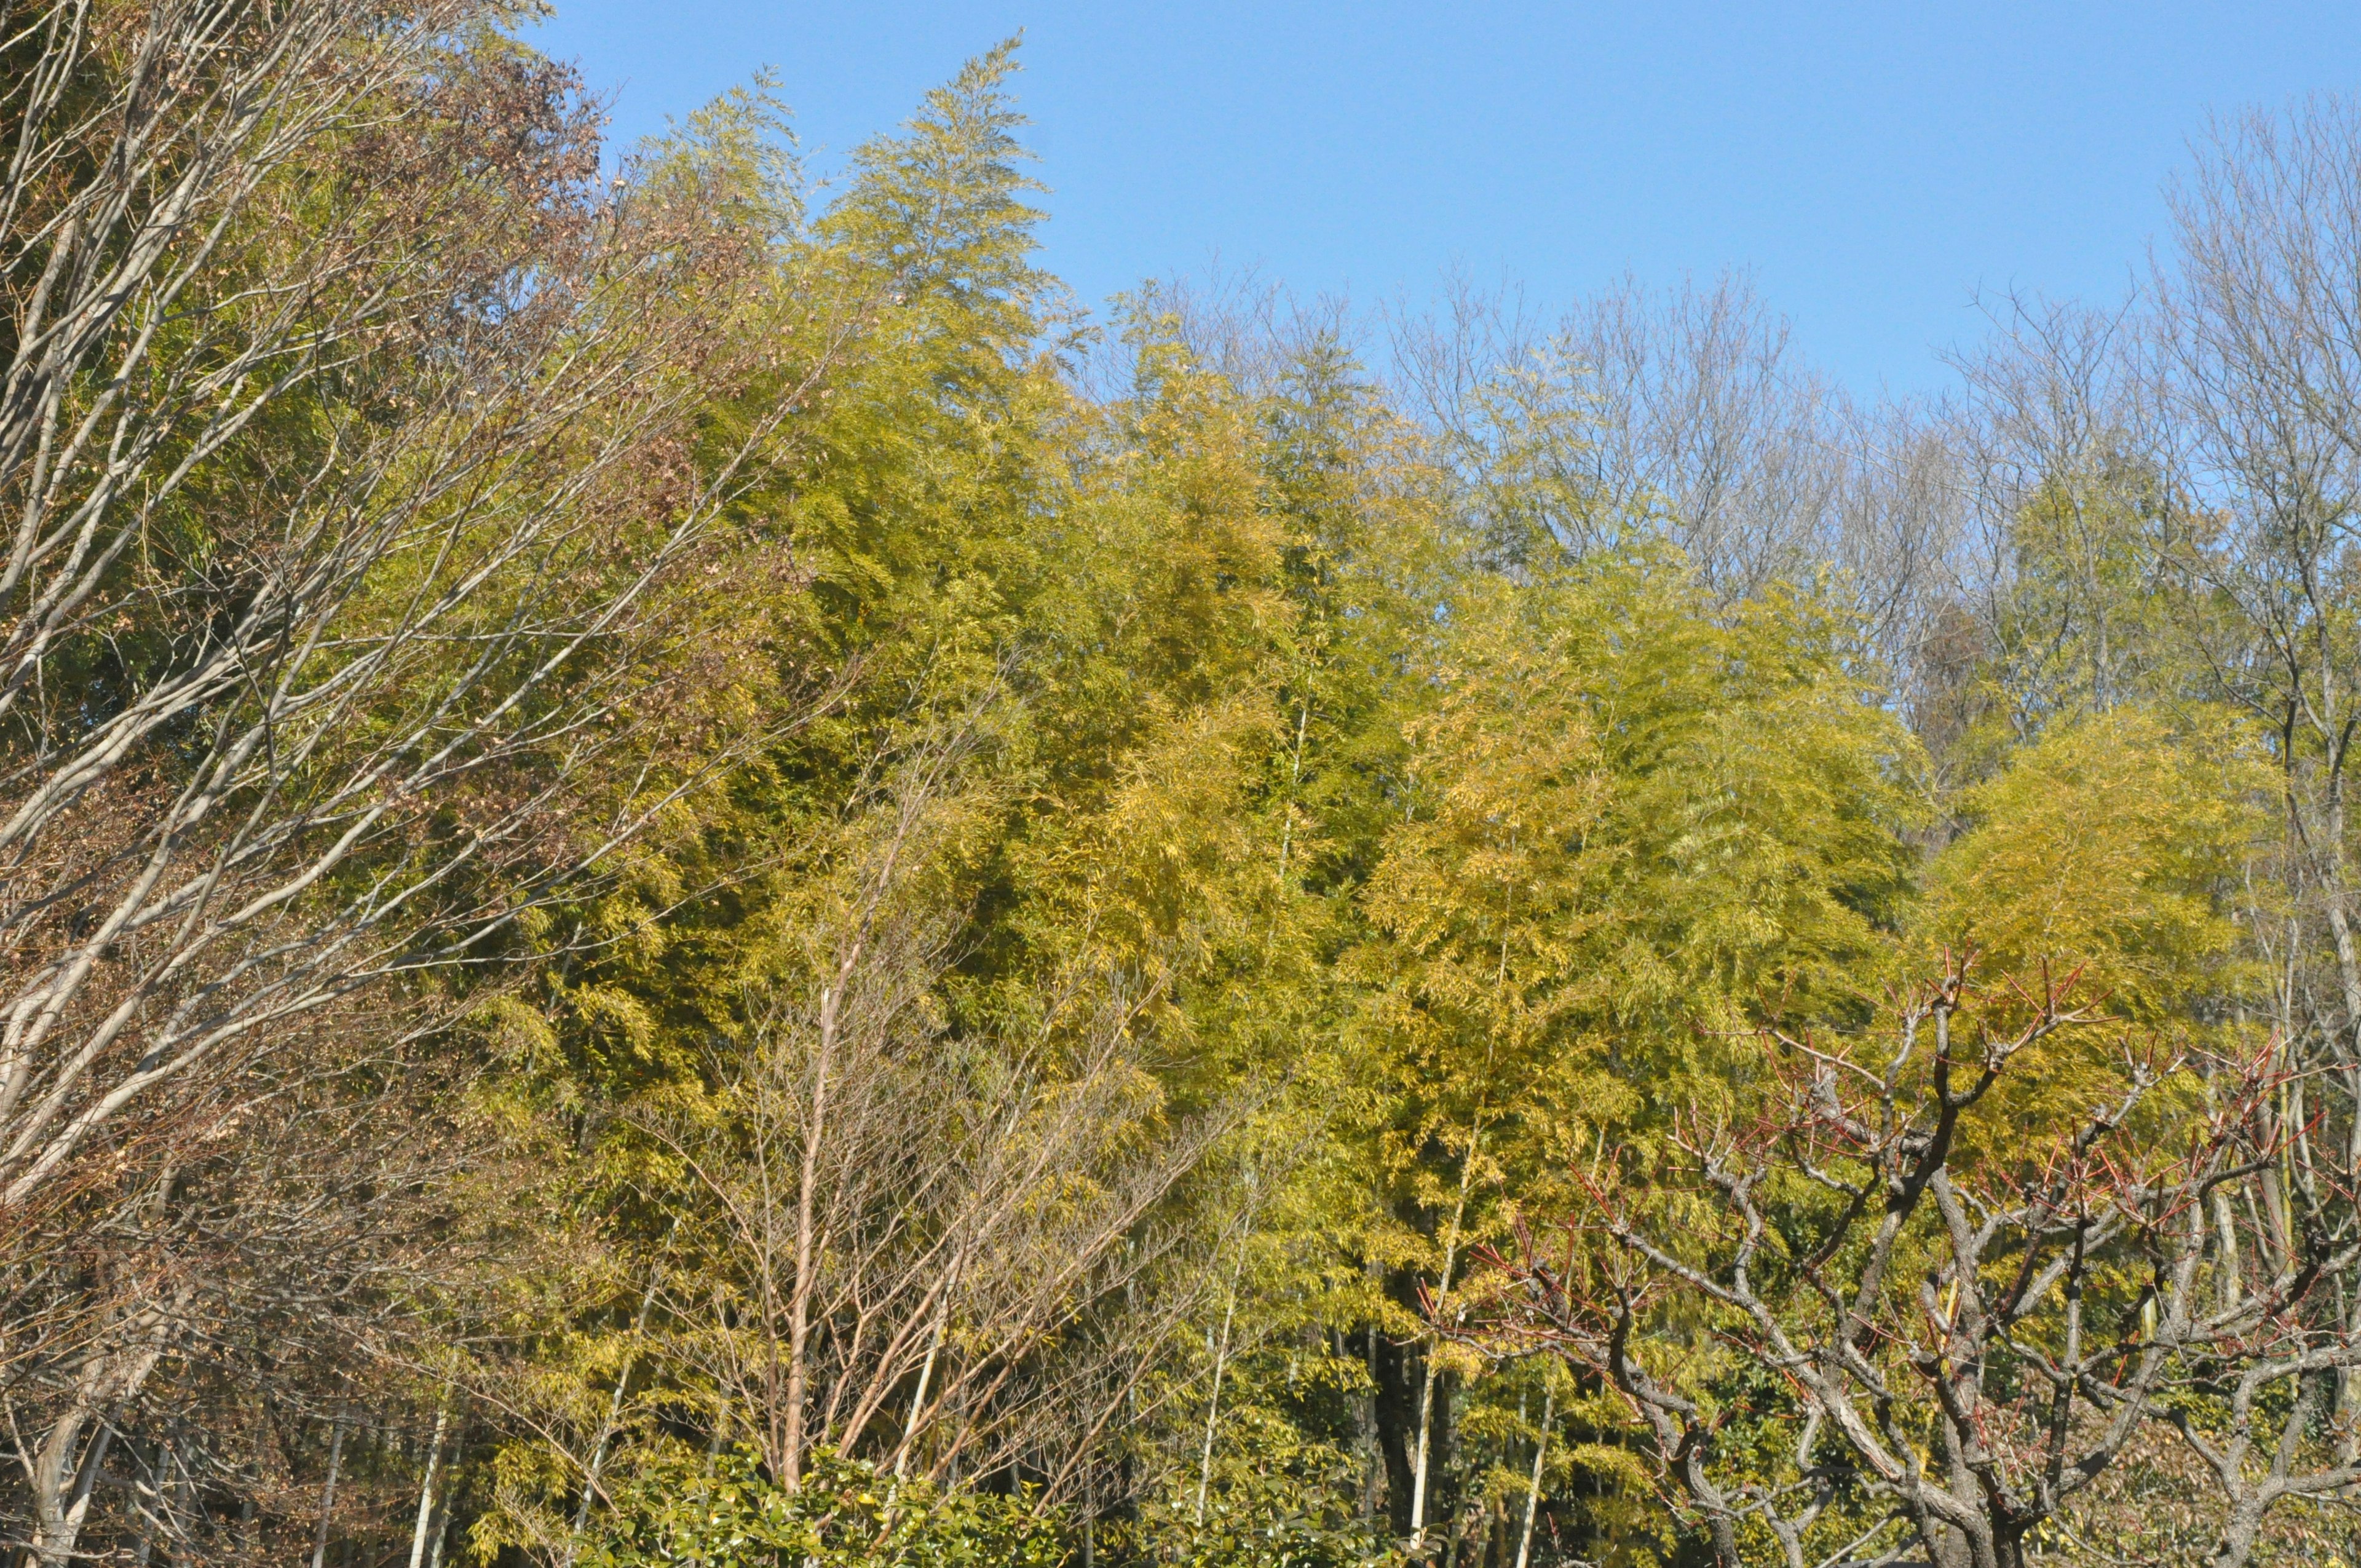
845	1515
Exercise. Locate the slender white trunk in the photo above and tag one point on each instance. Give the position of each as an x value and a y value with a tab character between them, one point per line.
831	1004
152	1487
1221	1365
2227	1290
441	1530
328	1493
927	1370
1426	1394
426	1487
1534	1492
1426	1434
2339	926
918	1400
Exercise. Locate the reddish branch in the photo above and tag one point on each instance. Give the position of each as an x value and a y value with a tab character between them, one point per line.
1969	1339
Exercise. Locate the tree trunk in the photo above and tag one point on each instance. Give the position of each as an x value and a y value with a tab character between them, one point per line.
1533	1491
1222	1353
2238	1533
1394	1407
65	1466
328	1493
1213	1402
426	1488
1426	1395
791	1447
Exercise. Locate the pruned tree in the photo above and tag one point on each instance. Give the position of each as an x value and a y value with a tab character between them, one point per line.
1858	1325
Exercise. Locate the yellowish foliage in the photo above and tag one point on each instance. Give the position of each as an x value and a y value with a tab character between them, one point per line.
2120	845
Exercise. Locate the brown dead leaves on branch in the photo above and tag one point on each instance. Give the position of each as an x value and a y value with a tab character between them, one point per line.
336	608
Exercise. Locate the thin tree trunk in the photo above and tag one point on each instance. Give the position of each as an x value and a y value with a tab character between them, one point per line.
2339	889
1214	1405
64	1468
426	1487
2226	1289
146	1546
1534	1492
1426	1394
590	1471
831	1011
927	1370
807	1194
85	1478
438	1533
328	1493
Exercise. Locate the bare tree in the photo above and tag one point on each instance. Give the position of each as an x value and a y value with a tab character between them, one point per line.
1705	412
1688	414
944	1250
1963	1341
345	433
199	1344
2260	369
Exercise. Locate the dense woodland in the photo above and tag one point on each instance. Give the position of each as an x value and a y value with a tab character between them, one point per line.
695	876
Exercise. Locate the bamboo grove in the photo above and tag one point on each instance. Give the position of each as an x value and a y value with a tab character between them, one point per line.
693	875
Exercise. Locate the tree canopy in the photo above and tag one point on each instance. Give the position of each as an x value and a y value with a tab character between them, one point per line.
696	875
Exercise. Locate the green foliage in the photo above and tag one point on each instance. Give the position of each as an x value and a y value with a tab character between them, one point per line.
1632	827
2120	841
725	1512
2094	615
1262	1527
1118	890
1439	836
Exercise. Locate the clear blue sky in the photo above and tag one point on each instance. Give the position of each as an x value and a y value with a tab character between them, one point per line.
1872	164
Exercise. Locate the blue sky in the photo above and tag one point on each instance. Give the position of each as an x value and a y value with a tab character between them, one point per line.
1872	165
